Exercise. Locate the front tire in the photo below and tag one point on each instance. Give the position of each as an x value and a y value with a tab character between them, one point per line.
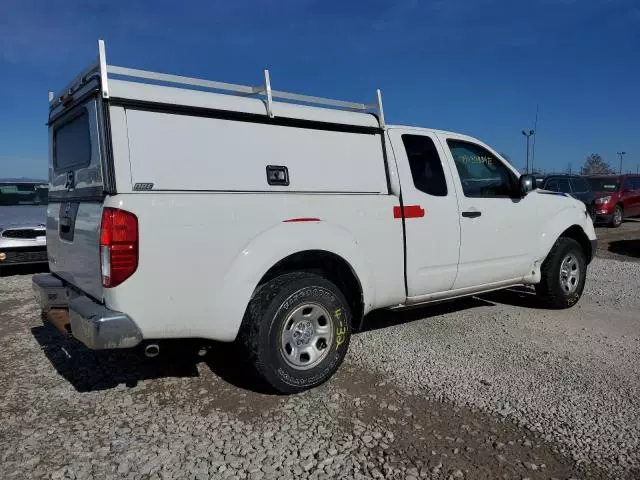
296	331
564	273
616	217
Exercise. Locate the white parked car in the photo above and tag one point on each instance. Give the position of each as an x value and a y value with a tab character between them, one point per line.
23	212
183	208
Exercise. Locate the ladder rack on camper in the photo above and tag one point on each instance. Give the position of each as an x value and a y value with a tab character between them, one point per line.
101	69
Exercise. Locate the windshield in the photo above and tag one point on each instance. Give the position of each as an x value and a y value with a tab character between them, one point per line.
23	194
604	184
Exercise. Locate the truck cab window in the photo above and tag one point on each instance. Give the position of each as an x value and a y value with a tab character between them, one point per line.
426	166
481	173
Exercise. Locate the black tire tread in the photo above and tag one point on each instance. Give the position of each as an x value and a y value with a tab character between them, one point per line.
253	321
544	289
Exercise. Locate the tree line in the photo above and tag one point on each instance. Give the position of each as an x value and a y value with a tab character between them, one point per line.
595	165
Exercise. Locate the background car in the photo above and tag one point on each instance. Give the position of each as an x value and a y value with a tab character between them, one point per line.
23	213
616	197
574	185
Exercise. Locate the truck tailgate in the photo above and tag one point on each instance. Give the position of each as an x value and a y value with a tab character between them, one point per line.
76	193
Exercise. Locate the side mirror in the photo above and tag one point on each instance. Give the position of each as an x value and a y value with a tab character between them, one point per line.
527	184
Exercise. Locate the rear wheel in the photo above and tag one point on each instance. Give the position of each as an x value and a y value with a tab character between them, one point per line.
296	331
564	273
616	217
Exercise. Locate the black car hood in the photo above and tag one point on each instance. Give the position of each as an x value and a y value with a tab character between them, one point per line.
23	216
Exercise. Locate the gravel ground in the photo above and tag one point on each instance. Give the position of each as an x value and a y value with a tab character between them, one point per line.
486	388
572	376
622	243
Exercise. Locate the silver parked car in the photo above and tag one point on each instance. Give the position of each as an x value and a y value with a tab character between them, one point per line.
23	213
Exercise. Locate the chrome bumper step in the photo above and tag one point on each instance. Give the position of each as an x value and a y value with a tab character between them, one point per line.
92	323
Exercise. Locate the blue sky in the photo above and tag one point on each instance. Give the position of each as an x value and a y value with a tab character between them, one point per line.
478	67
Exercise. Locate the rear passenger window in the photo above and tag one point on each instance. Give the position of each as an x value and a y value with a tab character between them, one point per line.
426	166
72	144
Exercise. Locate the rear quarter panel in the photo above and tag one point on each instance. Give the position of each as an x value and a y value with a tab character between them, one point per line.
202	254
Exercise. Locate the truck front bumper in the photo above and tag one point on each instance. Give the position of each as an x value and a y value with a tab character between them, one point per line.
89	321
22	255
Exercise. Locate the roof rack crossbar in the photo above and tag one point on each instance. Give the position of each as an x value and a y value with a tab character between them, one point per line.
241	89
165	77
103	69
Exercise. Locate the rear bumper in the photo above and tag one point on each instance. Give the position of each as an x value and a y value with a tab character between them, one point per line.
91	322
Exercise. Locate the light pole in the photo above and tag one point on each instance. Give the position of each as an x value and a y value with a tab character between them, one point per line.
621	155
528	135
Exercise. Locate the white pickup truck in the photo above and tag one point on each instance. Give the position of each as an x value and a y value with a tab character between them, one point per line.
186	208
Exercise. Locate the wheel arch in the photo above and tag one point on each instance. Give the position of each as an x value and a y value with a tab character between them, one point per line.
578	234
321	247
570	223
328	265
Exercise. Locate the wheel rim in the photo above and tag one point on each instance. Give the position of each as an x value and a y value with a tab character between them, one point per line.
569	274
617	216
306	336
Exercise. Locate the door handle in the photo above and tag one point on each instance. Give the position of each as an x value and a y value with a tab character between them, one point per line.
471	214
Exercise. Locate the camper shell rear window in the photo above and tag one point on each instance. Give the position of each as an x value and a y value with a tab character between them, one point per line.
72	143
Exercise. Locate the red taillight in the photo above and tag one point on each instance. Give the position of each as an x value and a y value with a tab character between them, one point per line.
118	246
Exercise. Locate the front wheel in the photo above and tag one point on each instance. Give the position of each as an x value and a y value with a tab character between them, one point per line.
564	272
616	217
296	331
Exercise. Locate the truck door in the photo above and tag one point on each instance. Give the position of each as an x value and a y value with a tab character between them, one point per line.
499	229
430	212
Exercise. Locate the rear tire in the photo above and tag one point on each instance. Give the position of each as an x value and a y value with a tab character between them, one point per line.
616	217
564	272
296	331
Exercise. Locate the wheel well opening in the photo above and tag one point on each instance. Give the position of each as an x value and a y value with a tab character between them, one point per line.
328	265
575	232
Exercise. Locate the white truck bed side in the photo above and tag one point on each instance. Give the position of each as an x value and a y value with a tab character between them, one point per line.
202	254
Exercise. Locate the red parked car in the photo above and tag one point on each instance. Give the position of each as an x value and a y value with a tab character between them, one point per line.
616	197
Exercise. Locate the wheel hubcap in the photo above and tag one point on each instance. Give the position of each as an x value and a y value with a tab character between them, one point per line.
306	336
618	216
569	274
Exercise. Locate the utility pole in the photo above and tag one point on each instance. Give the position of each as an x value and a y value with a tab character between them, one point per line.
535	136
622	154
528	135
